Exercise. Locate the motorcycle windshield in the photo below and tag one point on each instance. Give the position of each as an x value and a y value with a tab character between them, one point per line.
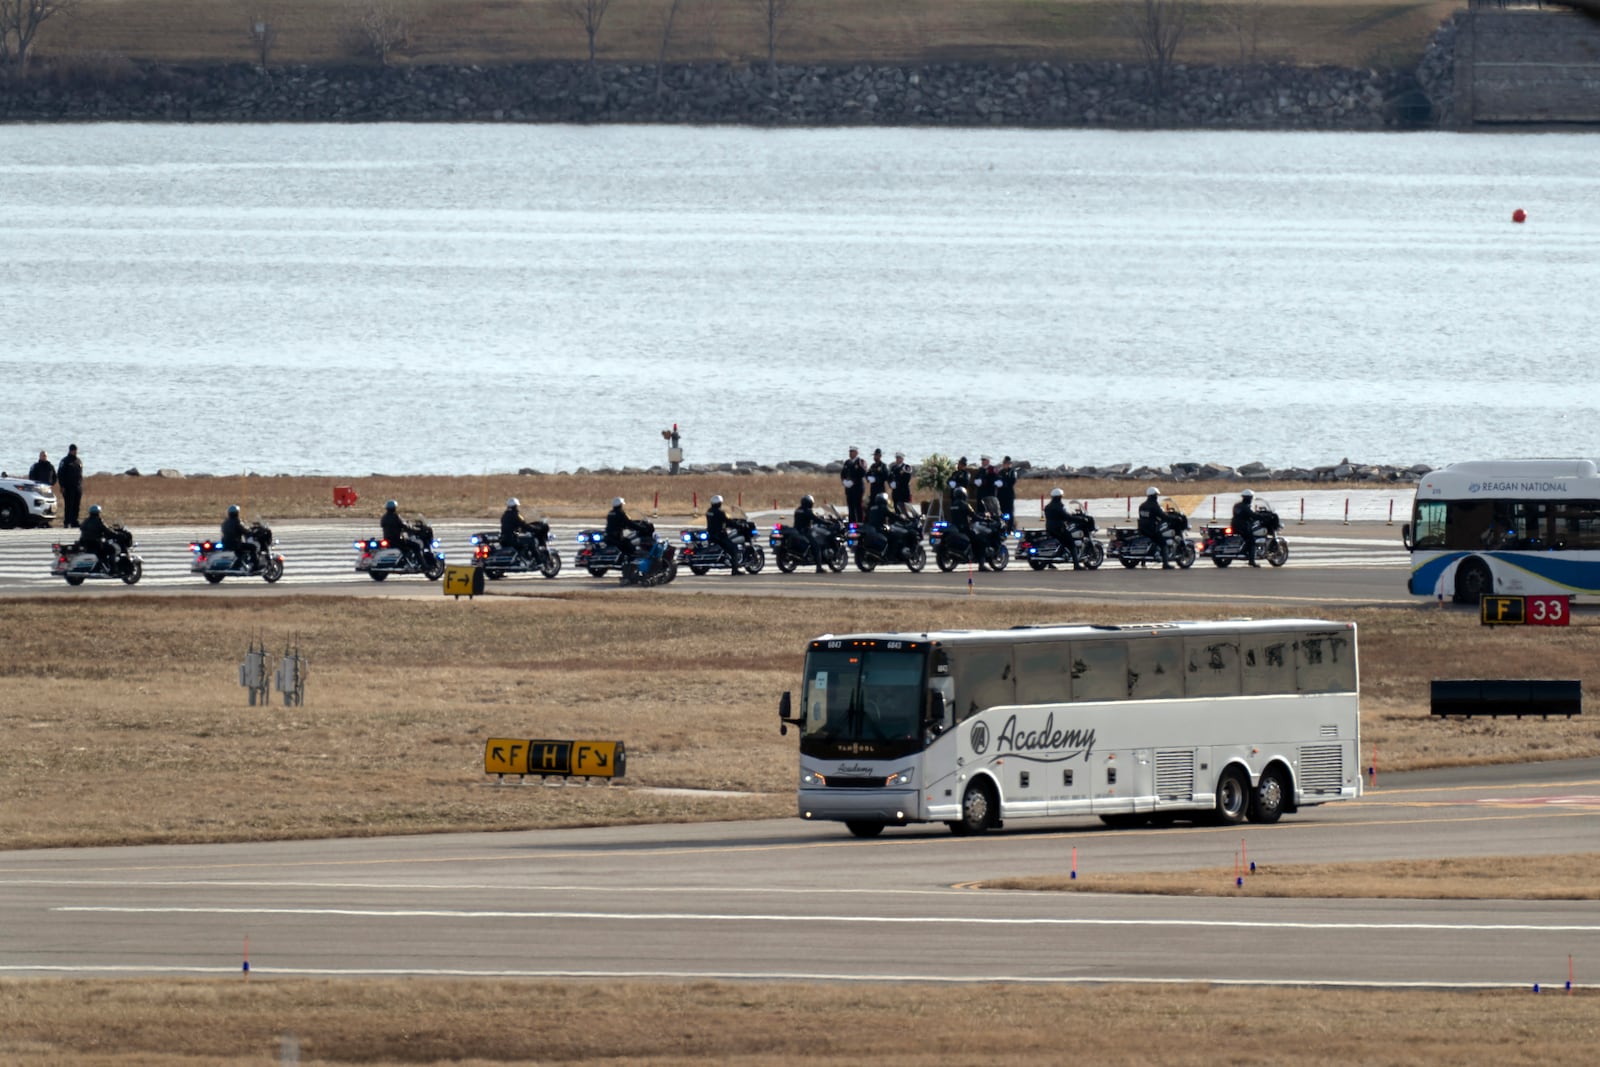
863	702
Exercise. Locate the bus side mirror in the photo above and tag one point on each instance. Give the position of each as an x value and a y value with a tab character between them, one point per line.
785	707
936	722
1405	536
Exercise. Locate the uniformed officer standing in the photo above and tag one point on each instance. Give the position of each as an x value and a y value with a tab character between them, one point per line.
1005	486
900	481
877	475
853	476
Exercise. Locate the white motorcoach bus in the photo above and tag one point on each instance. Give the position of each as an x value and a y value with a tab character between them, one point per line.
1520	526
1209	721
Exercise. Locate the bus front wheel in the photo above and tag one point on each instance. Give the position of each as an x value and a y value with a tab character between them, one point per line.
978	810
1473	581
1233	798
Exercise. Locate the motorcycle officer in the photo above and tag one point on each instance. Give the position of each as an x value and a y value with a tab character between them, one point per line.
1153	524
235	539
806	534
875	529
719	533
959	531
515	531
95	535
400	534
1244	524
1058	524
621	530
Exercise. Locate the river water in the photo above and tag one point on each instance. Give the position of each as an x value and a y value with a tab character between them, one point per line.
457	299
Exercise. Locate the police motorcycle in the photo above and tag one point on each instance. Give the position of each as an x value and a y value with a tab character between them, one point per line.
1041	550
78	562
216	563
1134	548
1224	545
987	543
654	562
703	555
379	558
835	533
904	542
528	557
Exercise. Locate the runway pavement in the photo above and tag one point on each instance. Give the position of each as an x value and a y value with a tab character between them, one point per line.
787	900
1329	563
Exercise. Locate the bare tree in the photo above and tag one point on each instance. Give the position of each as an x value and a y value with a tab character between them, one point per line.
666	40
1244	19
775	14
1157	28
19	25
588	14
263	37
380	28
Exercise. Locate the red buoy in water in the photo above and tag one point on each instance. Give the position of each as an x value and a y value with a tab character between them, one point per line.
1519	215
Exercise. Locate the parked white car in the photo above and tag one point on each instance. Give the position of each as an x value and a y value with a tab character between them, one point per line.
25	503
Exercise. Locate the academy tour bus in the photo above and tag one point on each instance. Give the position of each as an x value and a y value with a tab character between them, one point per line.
1207	721
1526	526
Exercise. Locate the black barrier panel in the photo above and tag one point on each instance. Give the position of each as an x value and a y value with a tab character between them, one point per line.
1513	696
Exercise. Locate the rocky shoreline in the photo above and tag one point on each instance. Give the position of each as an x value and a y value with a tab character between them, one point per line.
1033	94
1343	471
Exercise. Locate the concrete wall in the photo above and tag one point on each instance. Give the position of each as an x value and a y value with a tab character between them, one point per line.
1527	65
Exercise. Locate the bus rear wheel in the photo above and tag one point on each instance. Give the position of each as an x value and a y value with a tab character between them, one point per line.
862	828
1270	798
1233	798
978	810
1473	581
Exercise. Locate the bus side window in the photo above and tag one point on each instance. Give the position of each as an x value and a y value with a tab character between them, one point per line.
1211	666
1099	670
1325	663
983	678
1155	668
1044	673
1268	664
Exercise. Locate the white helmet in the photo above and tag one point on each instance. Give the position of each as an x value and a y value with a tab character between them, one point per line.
717	499
617	502
1248	493
1152	491
513	502
1055	494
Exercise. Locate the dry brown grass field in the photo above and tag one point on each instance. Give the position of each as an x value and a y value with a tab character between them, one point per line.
138	696
139	500
1358	34
758	1024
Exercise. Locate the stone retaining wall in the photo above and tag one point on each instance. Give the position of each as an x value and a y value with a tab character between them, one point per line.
1009	94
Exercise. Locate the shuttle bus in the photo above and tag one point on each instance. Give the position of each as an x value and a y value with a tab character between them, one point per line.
1524	526
1206	721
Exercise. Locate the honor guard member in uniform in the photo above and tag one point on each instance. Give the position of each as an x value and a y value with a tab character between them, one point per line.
877	475
618	528
1244	524
718	533
234	539
806	534
1005	487
1057	524
1153	524
70	477
960	478
900	481
853	476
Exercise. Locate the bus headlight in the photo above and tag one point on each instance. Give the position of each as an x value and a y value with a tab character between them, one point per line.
899	778
812	778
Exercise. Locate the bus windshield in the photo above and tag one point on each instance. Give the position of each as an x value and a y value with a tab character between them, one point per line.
863	701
